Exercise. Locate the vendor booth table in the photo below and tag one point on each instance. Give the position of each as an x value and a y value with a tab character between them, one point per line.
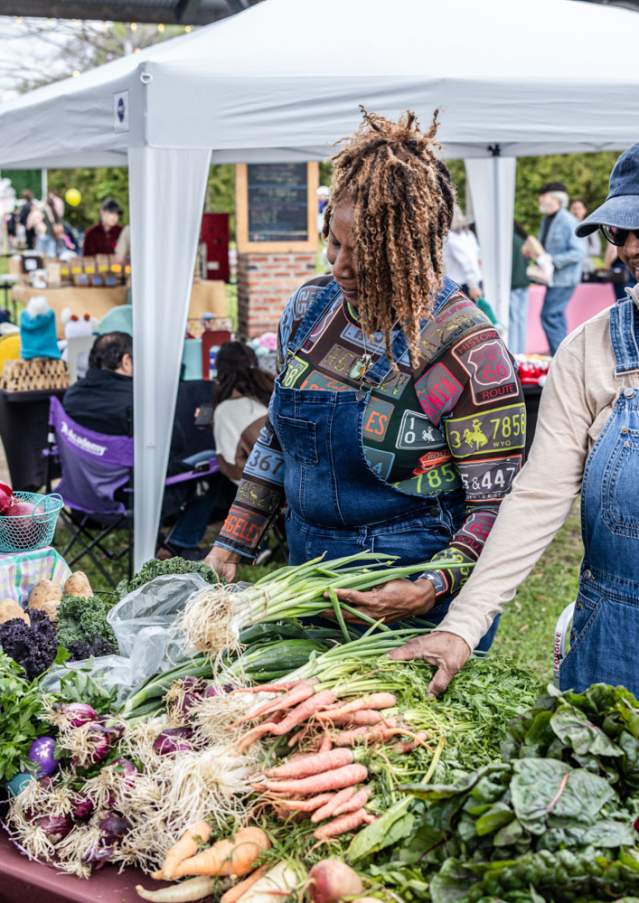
206	296
24	419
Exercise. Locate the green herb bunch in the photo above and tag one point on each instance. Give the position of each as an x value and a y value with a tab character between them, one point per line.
22	717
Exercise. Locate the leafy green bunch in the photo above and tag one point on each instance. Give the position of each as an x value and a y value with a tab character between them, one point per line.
22	717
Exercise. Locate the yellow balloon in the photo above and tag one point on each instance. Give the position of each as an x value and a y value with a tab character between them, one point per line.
73	197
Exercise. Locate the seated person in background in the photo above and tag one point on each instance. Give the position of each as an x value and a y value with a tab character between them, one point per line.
241	400
103	401
102	238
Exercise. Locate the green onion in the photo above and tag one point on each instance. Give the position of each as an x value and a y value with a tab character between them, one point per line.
213	618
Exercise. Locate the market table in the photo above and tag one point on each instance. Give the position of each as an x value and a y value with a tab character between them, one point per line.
206	295
22	881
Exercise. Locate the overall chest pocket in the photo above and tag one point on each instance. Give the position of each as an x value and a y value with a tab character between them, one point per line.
298	438
620	486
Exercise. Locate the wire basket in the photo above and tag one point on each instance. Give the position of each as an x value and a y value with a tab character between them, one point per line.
33	530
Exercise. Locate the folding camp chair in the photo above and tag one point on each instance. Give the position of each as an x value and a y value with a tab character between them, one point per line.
97	487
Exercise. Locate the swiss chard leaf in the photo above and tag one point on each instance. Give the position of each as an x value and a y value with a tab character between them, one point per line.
391	827
574	729
544	787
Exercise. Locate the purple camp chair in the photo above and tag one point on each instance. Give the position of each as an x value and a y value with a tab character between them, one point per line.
97	486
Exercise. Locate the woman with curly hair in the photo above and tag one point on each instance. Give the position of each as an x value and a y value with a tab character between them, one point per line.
397	421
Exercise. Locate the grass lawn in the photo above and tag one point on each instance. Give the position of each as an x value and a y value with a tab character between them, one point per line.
527	627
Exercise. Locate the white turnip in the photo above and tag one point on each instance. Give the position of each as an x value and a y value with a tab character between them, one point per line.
331	880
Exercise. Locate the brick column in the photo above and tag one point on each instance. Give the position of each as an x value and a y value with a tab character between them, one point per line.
264	283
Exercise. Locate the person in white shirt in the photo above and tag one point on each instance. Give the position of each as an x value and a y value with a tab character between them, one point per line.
461	256
241	400
586	443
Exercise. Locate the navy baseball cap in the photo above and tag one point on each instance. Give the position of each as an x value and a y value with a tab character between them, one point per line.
621	207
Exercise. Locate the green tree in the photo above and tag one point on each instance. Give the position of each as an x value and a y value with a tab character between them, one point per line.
584	175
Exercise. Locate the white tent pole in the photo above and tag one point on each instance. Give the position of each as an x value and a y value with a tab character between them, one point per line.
492	186
166	195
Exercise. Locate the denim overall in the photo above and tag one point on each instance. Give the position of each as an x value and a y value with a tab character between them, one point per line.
337	504
604	642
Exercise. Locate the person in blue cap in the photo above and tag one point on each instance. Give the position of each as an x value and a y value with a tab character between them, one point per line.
587	441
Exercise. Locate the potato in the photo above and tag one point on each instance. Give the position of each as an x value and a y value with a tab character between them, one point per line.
45	596
78	585
10	609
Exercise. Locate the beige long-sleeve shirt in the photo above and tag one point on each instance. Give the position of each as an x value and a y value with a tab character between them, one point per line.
576	402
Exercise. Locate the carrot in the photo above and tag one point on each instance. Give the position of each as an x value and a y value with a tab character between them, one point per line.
328	809
254	734
227	857
376	734
303	766
298	736
372	701
268	688
299	693
306	805
238	890
304	711
343	824
418	740
364	716
195	889
326	744
334	779
188	845
357	801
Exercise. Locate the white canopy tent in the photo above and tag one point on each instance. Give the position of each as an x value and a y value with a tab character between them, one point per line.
283	81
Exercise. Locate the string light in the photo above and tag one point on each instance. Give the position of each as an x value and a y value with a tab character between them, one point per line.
76	73
188	29
134	26
161	27
18	20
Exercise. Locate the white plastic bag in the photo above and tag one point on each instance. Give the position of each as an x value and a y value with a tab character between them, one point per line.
144	626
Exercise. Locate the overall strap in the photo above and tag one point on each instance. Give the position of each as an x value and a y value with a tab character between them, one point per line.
624	335
376	375
293	341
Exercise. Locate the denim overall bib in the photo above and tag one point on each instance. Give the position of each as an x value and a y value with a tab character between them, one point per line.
337	504
604	641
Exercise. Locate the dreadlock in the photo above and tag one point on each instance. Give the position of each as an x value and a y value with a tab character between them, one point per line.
403	198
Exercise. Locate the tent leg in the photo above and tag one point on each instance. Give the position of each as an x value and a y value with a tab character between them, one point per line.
166	193
492	187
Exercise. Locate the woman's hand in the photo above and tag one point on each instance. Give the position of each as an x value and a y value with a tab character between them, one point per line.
223	562
395	600
447	651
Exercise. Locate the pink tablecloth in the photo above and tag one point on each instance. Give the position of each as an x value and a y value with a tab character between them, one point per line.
22	881
589	298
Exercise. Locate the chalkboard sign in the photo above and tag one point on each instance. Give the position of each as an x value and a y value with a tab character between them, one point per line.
276	206
277	202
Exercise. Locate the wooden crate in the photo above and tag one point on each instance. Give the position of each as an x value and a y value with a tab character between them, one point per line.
35	375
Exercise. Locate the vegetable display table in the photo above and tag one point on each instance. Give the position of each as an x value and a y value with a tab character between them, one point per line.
20	571
22	881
